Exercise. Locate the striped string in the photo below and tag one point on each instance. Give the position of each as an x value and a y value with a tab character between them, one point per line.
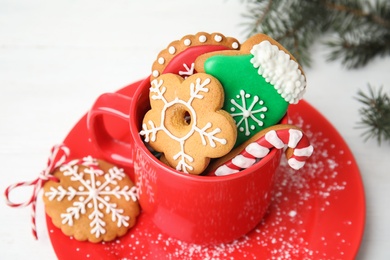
58	156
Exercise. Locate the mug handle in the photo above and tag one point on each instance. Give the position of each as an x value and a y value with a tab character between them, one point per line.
115	105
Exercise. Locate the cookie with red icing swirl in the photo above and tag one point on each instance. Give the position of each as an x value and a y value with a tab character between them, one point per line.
180	55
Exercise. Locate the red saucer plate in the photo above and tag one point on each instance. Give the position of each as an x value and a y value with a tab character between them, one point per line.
317	212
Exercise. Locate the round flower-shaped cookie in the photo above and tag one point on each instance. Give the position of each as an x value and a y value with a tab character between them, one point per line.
186	122
92	200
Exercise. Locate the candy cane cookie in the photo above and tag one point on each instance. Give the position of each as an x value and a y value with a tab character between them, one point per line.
280	136
179	56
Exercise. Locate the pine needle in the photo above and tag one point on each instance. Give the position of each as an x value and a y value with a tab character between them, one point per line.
361	29
375	114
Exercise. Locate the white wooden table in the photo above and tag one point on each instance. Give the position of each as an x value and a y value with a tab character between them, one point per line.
56	57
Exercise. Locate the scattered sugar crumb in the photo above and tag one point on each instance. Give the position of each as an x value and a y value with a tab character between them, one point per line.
282	234
292	213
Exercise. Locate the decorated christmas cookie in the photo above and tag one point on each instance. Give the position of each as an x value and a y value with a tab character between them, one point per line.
281	136
179	56
260	80
92	200
186	122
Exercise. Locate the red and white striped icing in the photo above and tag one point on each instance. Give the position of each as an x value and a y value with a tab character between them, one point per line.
279	139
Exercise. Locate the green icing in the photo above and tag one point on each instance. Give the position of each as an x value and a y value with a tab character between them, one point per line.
253	103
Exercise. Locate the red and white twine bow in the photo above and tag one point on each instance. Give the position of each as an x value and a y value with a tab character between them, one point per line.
58	156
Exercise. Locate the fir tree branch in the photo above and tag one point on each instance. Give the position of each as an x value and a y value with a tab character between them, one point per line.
356	8
355	50
349	12
293	30
375	114
265	12
361	30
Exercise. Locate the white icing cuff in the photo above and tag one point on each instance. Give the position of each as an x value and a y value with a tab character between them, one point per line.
280	70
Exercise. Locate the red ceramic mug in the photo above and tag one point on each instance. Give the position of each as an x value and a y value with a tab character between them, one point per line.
196	209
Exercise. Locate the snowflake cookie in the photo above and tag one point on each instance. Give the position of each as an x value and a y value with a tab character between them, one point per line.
186	122
93	200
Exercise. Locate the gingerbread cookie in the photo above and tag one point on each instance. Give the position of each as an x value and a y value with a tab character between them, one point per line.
93	200
298	150
179	56
260	80
186	122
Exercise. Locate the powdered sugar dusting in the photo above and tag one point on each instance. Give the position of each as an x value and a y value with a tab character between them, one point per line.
300	202
299	198
301	223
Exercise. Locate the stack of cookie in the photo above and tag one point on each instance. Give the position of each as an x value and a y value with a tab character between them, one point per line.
217	105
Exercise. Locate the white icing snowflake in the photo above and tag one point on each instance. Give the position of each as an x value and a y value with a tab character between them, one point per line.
93	194
201	88
247	112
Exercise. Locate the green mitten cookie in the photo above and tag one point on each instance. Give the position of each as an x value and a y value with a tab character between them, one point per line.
258	86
